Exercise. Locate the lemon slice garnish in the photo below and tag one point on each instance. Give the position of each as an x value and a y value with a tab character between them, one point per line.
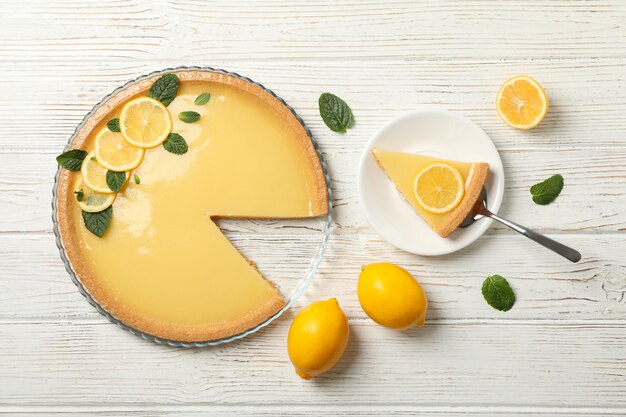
439	188
114	153
90	200
145	122
95	175
521	102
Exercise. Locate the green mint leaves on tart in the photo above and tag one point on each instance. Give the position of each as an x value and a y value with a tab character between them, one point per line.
189	116
547	191
164	89
498	293
202	99
114	125
115	180
175	144
98	223
80	195
72	160
137	179
335	113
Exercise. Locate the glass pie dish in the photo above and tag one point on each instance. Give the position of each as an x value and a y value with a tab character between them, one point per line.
285	251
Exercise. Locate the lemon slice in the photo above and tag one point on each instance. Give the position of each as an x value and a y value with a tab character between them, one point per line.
114	153
439	188
521	102
90	200
145	122
95	175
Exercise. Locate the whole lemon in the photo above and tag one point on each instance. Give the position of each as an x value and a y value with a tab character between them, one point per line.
317	338
391	297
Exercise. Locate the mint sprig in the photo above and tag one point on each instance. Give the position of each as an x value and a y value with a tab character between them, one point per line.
189	116
202	99
335	112
498	293
165	89
98	223
114	125
547	191
175	144
115	180
72	159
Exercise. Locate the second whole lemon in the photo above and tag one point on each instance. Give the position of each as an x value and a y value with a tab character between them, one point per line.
391	297
317	338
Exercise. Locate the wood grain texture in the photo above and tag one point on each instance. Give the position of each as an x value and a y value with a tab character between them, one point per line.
587	96
559	351
595	178
296	410
92	362
178	30
34	285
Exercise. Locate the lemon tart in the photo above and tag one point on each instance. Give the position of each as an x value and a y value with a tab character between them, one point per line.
406	170
163	267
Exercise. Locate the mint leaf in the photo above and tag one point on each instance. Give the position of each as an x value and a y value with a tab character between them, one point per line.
115	180
137	179
189	116
547	191
72	160
202	99
498	293
114	125
335	113
164	89
97	223
175	144
80	195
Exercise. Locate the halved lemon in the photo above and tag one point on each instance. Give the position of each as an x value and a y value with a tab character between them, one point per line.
90	200
439	187
521	102
95	175
145	122
114	153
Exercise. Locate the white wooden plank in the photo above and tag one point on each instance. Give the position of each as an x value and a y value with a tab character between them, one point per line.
297	410
175	30
45	102
595	180
34	284
456	363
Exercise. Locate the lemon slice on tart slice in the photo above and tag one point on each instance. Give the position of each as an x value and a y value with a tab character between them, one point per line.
115	153
439	187
145	122
89	200
521	102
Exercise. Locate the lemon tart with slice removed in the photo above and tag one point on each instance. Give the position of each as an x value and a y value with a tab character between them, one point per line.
442	192
161	265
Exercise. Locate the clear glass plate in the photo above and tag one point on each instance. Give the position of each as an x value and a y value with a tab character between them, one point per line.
297	244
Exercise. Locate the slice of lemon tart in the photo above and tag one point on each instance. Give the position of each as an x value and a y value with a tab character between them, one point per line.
218	146
442	192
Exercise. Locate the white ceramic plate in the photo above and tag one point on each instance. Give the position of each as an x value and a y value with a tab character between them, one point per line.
437	133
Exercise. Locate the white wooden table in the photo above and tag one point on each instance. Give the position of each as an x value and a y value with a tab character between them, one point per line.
560	351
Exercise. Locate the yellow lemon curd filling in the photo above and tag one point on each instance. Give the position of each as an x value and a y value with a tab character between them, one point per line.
163	257
403	167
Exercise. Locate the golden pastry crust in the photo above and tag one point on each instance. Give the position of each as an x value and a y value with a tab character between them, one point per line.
68	231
